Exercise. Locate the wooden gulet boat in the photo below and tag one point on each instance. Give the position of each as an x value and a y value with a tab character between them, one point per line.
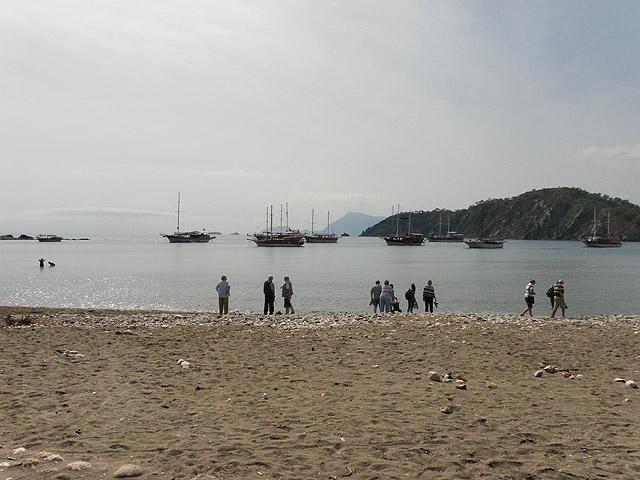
404	239
321	237
187	237
599	241
269	238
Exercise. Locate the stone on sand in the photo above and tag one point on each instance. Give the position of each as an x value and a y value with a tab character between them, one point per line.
631	384
129	470
79	465
434	377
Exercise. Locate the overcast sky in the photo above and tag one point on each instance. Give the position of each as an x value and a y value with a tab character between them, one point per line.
109	108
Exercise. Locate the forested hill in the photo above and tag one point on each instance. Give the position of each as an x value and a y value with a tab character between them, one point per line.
547	214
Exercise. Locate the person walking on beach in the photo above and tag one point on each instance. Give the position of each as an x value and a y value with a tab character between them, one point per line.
376	290
429	297
529	298
558	298
269	295
386	297
287	293
224	290
410	295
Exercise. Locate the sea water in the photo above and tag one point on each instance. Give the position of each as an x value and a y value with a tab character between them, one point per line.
151	273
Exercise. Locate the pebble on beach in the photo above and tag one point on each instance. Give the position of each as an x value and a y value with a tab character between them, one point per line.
129	470
538	373
79	465
631	384
434	377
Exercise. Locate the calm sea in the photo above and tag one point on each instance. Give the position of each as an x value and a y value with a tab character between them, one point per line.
153	274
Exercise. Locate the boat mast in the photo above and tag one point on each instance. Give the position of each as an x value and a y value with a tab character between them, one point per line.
327	223
594	222
271	228
178	228
608	230
280	218
409	226
266	219
398	220
440	227
287	216
448	225
312	221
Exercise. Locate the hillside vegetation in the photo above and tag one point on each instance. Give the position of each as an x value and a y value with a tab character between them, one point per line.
548	214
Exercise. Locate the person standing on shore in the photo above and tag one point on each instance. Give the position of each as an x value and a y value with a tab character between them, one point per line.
529	298
558	298
386	297
410	295
269	295
376	290
287	293
41	262
224	290
429	297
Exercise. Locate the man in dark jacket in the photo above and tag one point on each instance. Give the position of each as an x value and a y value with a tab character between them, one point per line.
269	295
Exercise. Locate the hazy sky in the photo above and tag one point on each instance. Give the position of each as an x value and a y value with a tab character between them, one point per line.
109	108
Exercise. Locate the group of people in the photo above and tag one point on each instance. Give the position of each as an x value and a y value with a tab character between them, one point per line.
224	292
555	294
383	296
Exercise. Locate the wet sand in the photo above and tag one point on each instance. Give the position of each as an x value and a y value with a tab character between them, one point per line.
319	396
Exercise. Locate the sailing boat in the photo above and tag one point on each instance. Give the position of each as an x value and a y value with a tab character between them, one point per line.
449	237
321	237
269	238
492	241
187	237
408	239
602	242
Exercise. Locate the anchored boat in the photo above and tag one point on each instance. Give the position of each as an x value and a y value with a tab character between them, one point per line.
187	237
450	236
599	241
321	237
415	239
269	238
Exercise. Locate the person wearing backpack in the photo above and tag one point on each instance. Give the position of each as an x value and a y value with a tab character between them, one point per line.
410	296
550	294
429	297
558	298
529	298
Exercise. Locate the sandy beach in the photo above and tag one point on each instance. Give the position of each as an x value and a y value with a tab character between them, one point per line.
86	392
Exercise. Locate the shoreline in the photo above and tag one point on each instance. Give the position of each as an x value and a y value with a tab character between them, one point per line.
52	316
85	392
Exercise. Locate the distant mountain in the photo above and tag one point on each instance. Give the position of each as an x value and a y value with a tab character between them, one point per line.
353	223
548	214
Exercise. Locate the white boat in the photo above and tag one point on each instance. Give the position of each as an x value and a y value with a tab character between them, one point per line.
492	241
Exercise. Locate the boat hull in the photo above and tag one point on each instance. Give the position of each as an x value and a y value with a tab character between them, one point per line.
600	244
200	238
491	244
49	238
405	240
318	239
278	240
445	240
